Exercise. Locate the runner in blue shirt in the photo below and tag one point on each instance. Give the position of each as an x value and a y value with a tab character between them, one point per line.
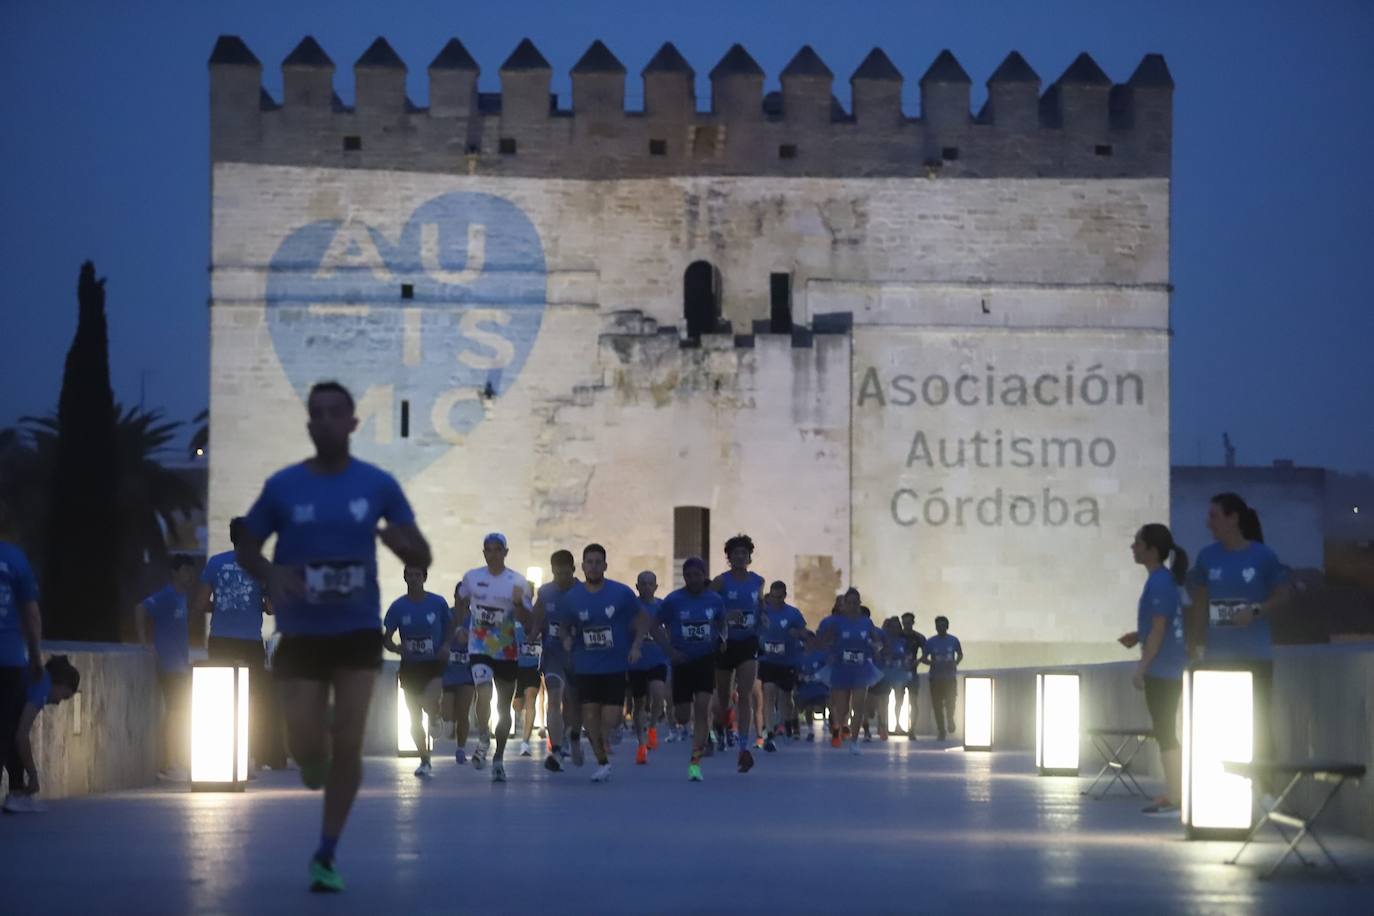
943	654
564	712
694	617
426	627
55	682
1163	654
527	680
648	676
915	648
21	627
780	641
896	665
852	641
606	627
162	621
326	512
459	688
1236	585
236	603
742	592
813	694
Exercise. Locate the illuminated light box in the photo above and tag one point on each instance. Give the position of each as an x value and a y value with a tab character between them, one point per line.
1056	723
1218	726
219	728
978	713
405	745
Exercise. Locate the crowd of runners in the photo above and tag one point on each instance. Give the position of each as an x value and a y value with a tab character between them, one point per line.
720	662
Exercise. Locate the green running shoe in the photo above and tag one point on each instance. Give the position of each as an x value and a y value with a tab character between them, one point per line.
324	878
694	772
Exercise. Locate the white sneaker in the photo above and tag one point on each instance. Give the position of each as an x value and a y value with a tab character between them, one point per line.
424	771
854	749
525	749
479	758
602	774
498	771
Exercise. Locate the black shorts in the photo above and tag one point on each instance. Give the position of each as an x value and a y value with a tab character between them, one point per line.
502	669
416	675
601	689
526	679
318	658
1162	695
639	680
737	653
692	678
784	677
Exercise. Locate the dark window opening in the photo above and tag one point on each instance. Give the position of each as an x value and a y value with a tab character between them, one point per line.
474	149
1103	149
691	538
407	290
405	419
658	147
787	151
704	142
780	298
352	144
949	153
701	298
507	146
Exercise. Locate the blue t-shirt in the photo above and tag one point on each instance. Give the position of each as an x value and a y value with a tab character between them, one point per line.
458	671
326	528
808	669
602	622
421	625
1160	599
852	644
17	588
166	607
39	693
551	597
531	650
237	598
780	640
650	655
1236	582
896	654
743	596
693	621
943	650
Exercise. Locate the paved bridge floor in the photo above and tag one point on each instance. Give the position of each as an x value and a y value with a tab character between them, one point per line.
902	828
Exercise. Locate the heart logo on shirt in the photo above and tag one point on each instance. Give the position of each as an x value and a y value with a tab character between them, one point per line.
358	507
1248	573
430	617
405	620
610	611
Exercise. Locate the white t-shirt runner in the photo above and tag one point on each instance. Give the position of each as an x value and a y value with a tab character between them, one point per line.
491	613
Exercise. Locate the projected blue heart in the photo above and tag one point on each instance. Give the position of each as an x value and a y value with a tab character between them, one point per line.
422	327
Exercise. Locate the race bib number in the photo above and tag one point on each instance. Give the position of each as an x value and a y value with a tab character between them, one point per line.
423	646
696	632
1224	613
850	657
746	620
598	638
488	616
532	650
457	657
333	582
774	648
555	630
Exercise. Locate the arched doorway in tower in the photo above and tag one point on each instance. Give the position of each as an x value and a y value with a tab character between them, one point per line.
701	298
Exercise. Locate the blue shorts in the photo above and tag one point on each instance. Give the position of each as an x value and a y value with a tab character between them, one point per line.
850	677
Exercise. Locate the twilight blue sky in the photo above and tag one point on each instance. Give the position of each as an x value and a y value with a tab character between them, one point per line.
104	152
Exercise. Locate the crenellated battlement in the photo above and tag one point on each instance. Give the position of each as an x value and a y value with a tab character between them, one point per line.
1081	125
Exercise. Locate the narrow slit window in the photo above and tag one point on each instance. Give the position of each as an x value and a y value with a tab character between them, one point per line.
407	290
352	144
405	419
1103	149
507	146
787	151
658	147
949	153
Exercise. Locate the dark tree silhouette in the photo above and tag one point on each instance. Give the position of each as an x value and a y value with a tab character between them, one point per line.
81	564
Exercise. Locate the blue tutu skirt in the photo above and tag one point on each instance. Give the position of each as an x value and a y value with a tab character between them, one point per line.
850	677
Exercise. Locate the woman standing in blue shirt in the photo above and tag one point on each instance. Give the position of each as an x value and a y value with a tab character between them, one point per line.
1163	655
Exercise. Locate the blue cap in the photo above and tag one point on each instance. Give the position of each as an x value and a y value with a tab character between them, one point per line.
496	536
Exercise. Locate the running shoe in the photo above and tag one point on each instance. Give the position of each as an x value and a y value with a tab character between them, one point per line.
854	749
758	742
720	741
313	775
459	757
642	755
768	744
672	736
479	758
553	764
653	738
21	803
731	739
882	734
746	761
940	737
835	741
810	736
324	878
602	774
1160	809
911	736
694	772
424	770
525	749
498	771
868	739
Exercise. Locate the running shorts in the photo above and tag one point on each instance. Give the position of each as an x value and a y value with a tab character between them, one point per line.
318	658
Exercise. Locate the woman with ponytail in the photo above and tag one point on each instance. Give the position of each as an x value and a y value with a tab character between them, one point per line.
1237	583
1163	655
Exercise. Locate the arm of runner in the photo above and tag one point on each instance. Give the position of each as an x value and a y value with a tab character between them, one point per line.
1195	620
203	604
406	541
1129	640
521	607
277	580
1151	648
389	640
539	617
450	631
32	624
142	624
958	652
